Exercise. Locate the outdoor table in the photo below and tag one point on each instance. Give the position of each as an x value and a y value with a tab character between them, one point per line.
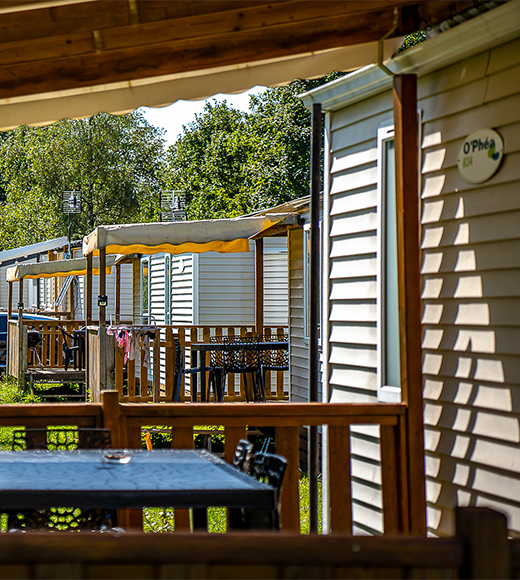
204	347
40	479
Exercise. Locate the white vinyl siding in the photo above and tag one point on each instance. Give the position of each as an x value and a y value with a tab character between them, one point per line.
471	291
181	297
353	337
470	241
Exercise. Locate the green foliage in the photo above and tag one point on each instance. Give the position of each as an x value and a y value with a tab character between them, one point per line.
114	160
10	394
411	40
230	163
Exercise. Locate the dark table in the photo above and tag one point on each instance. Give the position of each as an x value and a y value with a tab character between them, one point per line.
161	478
204	347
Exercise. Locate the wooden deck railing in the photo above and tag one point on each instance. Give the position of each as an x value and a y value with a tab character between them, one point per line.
126	422
50	350
479	549
135	384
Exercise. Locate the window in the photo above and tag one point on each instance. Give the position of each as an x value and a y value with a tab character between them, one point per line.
389	379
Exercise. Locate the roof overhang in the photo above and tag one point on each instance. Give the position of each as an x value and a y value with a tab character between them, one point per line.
72	58
55	269
198	236
479	34
29	252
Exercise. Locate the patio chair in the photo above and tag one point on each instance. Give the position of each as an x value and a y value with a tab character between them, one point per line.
243	454
244	361
61	518
273	360
180	371
74	351
270	469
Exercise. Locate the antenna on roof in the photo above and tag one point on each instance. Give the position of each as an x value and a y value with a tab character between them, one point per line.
173	206
71	203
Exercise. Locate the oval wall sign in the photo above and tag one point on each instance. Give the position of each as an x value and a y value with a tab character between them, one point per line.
480	155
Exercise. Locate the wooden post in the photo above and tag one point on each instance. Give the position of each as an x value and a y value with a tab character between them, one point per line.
156	376
487	550
52	258
314	310
409	283
21	353
88	291
102	285
112	416
117	306
259	286
10	301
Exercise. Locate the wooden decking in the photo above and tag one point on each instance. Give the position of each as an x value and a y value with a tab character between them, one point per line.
55	375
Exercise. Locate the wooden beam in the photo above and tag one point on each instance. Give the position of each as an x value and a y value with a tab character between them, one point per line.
88	291
102	285
409	287
96	43
21	351
10	301
117	307
259	286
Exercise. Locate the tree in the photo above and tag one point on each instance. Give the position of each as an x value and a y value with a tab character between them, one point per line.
114	160
229	163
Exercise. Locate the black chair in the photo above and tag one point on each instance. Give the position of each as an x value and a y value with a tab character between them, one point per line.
61	518
75	350
273	360
180	371
270	469
243	454
242	361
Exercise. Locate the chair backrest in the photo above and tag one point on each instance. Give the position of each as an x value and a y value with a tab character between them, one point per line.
243	454
270	469
179	366
61	439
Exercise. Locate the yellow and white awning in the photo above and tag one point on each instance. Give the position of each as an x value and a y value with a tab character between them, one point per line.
219	235
58	268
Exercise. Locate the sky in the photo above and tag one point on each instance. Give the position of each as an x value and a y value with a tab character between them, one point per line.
173	117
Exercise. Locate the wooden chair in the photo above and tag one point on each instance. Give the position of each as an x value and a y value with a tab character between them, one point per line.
61	518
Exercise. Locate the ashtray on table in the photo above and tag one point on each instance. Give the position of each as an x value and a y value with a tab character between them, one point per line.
117	456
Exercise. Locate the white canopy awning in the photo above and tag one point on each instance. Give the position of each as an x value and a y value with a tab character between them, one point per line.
123	97
27	252
57	268
220	235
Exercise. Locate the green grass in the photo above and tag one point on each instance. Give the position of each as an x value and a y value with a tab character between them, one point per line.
159	520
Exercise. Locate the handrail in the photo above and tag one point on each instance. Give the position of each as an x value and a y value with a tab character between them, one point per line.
126	422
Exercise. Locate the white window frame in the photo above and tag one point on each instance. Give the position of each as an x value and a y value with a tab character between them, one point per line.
387	393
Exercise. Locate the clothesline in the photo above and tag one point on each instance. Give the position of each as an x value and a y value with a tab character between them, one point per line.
128	337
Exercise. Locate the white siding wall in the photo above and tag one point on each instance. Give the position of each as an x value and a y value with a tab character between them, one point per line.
156	287
276	297
299	352
182	304
353	289
470	289
226	285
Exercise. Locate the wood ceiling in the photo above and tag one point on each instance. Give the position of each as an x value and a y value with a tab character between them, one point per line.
66	44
